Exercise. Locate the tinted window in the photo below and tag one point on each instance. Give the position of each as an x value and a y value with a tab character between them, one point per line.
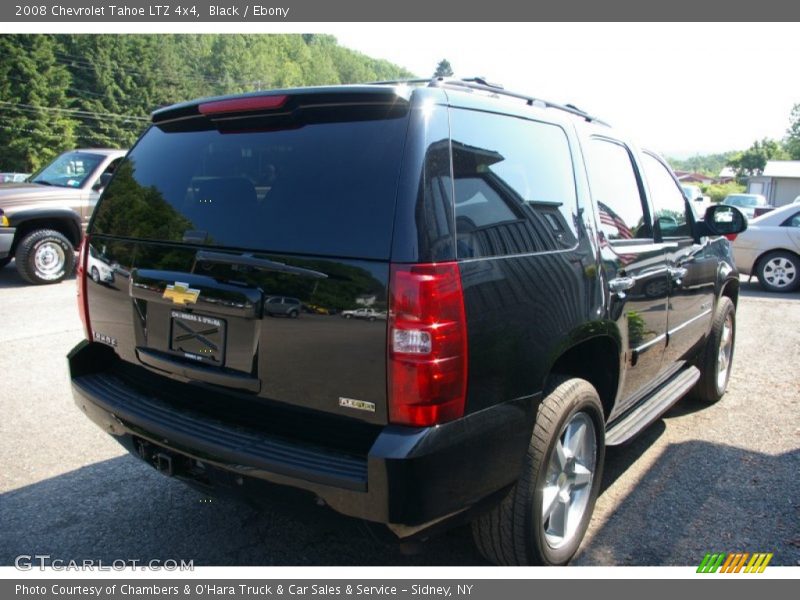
615	188
325	188
514	185
793	221
667	199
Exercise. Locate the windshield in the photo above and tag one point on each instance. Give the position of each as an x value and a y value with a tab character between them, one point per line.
69	170
326	188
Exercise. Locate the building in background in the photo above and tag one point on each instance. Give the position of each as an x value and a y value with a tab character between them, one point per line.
779	183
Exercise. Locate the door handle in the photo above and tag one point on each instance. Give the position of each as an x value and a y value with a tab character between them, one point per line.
620	285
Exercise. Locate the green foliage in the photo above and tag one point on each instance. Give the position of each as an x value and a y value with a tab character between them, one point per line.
792	141
31	82
443	69
98	90
718	191
753	160
707	164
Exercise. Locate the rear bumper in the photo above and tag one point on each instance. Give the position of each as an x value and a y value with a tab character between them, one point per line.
410	479
6	240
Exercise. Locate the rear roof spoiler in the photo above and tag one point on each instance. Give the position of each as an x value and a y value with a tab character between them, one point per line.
285	100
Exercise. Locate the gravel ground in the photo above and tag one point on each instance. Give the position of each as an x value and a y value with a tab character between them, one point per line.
722	478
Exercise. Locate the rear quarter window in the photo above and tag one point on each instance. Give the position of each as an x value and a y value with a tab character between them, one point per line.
514	185
322	189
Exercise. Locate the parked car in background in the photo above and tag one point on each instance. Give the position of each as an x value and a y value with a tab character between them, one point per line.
99	267
770	249
370	314
42	220
282	306
747	203
13	177
316	309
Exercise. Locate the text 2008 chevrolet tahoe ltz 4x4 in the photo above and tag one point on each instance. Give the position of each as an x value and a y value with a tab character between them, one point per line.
548	293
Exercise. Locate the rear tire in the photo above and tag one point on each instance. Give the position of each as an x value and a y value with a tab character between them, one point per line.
44	256
779	271
717	358
544	517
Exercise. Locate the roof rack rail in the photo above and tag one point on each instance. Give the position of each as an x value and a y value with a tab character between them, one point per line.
480	83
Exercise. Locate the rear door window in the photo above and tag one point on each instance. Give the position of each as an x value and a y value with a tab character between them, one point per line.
514	185
615	187
323	189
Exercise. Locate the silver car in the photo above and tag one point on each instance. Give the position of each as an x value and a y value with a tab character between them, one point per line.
747	203
770	249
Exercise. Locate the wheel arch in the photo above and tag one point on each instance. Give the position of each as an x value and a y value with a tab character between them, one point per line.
597	360
64	221
760	257
730	289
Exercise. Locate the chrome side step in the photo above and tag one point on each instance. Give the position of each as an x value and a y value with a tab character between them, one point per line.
652	407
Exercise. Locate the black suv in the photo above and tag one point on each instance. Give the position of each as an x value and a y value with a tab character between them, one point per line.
548	293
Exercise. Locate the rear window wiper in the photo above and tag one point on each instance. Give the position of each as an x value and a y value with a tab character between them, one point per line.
248	260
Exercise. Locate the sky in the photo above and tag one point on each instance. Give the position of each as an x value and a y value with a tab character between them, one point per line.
678	88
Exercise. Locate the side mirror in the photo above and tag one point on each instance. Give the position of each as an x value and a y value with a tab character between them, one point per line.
101	182
721	219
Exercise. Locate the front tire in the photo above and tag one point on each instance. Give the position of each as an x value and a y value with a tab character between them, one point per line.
44	256
717	358
779	272
544	517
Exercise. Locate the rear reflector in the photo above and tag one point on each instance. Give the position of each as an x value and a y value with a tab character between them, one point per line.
427	341
246	104
83	300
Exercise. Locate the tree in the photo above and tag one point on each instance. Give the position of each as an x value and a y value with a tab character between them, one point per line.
67	90
792	141
753	160
37	117
443	69
708	164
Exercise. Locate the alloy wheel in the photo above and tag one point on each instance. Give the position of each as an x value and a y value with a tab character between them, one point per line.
568	483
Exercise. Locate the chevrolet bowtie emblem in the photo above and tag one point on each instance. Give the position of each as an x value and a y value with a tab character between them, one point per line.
181	293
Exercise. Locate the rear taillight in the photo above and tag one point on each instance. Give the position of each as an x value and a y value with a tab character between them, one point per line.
83	300
427	342
731	236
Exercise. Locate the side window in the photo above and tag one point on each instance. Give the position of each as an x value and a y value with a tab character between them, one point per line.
514	185
615	188
667	198
793	221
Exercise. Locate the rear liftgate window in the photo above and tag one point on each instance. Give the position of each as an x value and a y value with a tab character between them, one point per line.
323	188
